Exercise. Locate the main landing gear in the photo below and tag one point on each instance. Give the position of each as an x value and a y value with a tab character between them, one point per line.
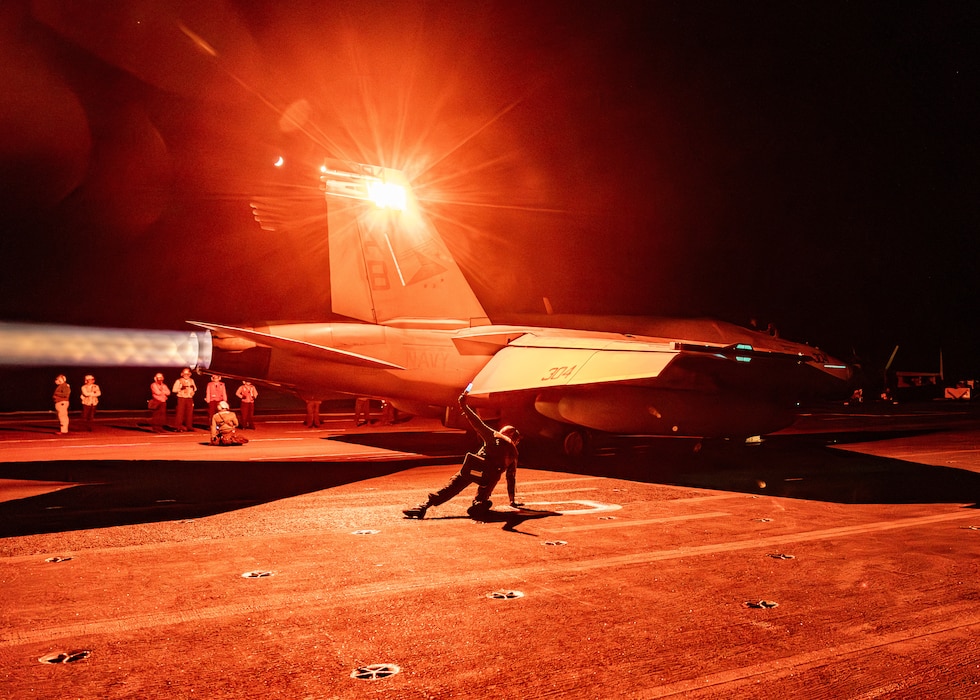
575	443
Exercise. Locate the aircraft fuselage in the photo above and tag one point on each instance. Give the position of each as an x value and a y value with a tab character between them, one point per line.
649	385
434	373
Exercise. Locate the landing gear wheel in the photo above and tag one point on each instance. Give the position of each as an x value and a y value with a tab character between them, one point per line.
575	443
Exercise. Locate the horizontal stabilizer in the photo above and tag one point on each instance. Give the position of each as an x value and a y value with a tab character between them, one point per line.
486	341
297	347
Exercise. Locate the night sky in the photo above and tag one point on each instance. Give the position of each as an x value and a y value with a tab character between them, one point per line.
812	164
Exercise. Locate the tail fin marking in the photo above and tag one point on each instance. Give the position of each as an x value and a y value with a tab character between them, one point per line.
388	264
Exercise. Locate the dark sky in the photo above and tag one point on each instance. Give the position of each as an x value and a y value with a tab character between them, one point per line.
812	164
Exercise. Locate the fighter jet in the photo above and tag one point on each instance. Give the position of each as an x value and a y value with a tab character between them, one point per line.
422	337
419	337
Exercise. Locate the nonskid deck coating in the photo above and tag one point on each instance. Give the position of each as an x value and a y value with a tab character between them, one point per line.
650	600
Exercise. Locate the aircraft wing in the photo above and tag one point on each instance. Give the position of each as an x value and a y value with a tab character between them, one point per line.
651	386
537	362
298	347
542	362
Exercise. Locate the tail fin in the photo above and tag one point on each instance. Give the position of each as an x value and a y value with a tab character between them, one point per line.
387	261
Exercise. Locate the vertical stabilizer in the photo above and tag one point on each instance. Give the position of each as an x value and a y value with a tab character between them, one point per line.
387	261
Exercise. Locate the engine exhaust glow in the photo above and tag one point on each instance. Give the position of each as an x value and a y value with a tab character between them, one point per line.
33	345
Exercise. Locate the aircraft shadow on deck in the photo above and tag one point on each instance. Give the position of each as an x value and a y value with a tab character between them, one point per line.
803	467
111	493
422	442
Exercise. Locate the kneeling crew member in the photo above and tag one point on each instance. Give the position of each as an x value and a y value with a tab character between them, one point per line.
224	427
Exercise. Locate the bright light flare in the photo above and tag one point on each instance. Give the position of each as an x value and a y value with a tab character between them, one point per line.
386	195
367	183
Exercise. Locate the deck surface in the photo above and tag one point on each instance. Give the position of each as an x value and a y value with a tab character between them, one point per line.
839	559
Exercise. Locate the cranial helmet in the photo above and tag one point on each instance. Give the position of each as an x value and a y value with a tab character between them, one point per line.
222	405
510	431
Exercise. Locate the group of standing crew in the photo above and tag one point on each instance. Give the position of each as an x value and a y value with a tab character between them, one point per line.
90	399
183	389
216	396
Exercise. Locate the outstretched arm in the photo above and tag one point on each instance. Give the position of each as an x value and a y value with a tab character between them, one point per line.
483	430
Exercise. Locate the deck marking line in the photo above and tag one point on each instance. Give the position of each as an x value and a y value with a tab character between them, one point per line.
631	523
780	668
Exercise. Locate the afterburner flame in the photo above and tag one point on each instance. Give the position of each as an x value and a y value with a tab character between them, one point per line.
32	345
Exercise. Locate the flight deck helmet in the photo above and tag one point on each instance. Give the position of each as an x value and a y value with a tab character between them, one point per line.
511	432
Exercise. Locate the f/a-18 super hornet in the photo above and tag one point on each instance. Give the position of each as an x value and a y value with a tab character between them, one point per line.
419	337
